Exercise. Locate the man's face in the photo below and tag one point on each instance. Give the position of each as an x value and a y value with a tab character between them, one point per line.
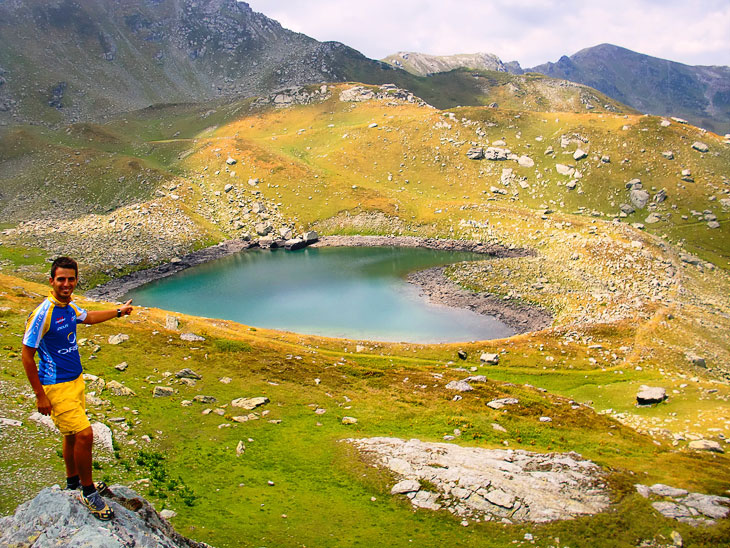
63	284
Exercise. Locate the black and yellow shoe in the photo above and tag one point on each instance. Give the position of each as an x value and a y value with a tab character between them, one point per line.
97	506
101	487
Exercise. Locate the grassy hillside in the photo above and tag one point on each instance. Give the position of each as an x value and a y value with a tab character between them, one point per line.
190	464
629	308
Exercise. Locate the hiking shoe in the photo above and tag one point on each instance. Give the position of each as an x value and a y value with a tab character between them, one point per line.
97	506
101	487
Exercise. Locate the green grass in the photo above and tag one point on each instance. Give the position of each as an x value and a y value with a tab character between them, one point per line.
320	482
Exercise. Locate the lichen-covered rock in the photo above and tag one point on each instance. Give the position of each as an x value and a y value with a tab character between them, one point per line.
57	517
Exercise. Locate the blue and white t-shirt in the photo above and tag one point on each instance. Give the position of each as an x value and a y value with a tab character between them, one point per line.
51	328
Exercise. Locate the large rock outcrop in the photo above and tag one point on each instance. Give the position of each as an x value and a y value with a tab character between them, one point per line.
490	484
57	517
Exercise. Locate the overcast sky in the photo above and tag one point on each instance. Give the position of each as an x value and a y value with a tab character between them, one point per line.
529	31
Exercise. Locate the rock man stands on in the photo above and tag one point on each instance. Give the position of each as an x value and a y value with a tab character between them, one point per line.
57	381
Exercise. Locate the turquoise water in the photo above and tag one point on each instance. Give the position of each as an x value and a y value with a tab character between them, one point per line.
351	292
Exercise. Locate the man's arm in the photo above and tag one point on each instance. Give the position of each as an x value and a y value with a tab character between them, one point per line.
98	316
31	371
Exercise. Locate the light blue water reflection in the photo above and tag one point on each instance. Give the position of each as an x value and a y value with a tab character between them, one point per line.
352	292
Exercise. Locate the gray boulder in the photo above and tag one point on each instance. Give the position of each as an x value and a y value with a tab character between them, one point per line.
494	153
187	373
699	146
459	386
639	198
706	445
492	359
649	395
58	518
475	153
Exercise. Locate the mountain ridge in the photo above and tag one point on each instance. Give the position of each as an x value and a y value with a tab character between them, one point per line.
651	84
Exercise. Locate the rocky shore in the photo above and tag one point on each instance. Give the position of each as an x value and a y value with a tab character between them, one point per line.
118	287
519	316
434	284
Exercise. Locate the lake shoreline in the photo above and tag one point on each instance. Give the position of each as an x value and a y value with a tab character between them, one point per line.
434	285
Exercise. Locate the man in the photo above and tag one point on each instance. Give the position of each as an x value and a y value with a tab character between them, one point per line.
57	381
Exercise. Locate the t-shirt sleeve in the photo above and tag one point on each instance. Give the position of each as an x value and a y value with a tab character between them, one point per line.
80	312
37	325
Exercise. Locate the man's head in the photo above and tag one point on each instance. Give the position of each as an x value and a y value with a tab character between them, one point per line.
64	277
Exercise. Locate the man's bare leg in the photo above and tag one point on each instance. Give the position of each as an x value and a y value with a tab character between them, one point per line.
77	455
69	443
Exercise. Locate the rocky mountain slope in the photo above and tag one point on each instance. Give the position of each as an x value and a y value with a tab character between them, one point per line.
423	64
701	94
70	60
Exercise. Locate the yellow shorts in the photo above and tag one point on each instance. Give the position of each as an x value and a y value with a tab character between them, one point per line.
68	400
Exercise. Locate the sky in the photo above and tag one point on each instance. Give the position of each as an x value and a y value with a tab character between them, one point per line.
529	31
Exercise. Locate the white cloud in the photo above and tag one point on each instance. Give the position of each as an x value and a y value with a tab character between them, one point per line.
529	31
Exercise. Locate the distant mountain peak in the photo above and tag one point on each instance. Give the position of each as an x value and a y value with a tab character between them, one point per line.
423	64
651	85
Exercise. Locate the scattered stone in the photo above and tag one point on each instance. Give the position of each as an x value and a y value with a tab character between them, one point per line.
118	389
639	198
667	491
119	338
225	380
187	373
250	403
475	153
564	170
699	146
626	208
643	490
102	436
462	354
496	154
476	378
605	159
162	391
492	359
310	237
526	161
204	399
121	366
228	187
652	219
191	337
231	161
706	445
546	419
349	420
713	224
405	486
172	322
669	155
579	154
10	422
498	427
240	449
167	514
501	402
459	386
694	359
650	395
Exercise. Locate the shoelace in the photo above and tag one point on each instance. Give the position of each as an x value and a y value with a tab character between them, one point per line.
95	500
